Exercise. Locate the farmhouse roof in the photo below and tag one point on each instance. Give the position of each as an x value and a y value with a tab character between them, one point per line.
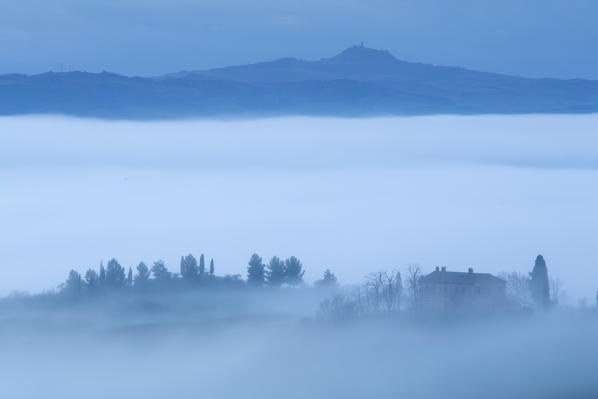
471	278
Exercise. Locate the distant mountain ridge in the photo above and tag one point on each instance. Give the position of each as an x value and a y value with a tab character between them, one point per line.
357	82
355	63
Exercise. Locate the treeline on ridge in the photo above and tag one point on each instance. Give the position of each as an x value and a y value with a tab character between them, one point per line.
192	273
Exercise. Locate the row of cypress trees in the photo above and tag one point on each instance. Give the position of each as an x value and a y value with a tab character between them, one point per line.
276	273
114	275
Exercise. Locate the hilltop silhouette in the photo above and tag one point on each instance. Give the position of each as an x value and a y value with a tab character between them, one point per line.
359	81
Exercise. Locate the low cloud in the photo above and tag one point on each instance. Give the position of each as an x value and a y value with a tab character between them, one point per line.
353	195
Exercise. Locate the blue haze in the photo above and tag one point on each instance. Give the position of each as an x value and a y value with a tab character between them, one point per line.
489	192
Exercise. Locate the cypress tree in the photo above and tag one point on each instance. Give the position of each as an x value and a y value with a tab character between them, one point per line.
130	277
539	283
183	268
202	266
102	278
212	267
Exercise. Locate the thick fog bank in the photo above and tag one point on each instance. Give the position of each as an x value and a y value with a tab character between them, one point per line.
233	355
353	195
301	144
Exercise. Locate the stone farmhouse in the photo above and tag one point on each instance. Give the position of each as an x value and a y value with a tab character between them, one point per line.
442	290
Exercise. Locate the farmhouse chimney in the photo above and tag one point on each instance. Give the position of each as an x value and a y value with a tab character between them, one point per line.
470	270
443	269
437	268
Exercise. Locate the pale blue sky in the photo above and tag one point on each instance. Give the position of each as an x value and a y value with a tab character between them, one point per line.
537	38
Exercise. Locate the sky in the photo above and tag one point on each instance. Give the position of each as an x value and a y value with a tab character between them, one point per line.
353	195
534	38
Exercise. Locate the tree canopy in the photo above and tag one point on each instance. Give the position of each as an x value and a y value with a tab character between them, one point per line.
160	271
328	280
293	271
189	268
143	273
115	273
157	277
276	272
256	273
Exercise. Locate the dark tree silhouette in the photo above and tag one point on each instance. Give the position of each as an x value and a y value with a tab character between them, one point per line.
74	283
102	277
538	284
212	267
202	265
339	309
293	271
143	274
115	274
414	275
160	272
92	279
328	281
275	272
392	290
189	269
256	271
130	278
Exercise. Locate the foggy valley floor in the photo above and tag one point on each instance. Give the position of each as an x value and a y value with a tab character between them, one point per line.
208	199
352	195
266	345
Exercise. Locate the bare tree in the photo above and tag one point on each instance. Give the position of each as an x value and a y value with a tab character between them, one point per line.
556	291
414	274
381	293
358	295
338	309
374	286
517	286
392	290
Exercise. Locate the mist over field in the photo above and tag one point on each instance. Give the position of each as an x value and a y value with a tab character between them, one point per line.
222	199
352	195
268	345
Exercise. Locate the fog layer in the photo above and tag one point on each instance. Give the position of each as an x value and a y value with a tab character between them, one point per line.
260	345
489	192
